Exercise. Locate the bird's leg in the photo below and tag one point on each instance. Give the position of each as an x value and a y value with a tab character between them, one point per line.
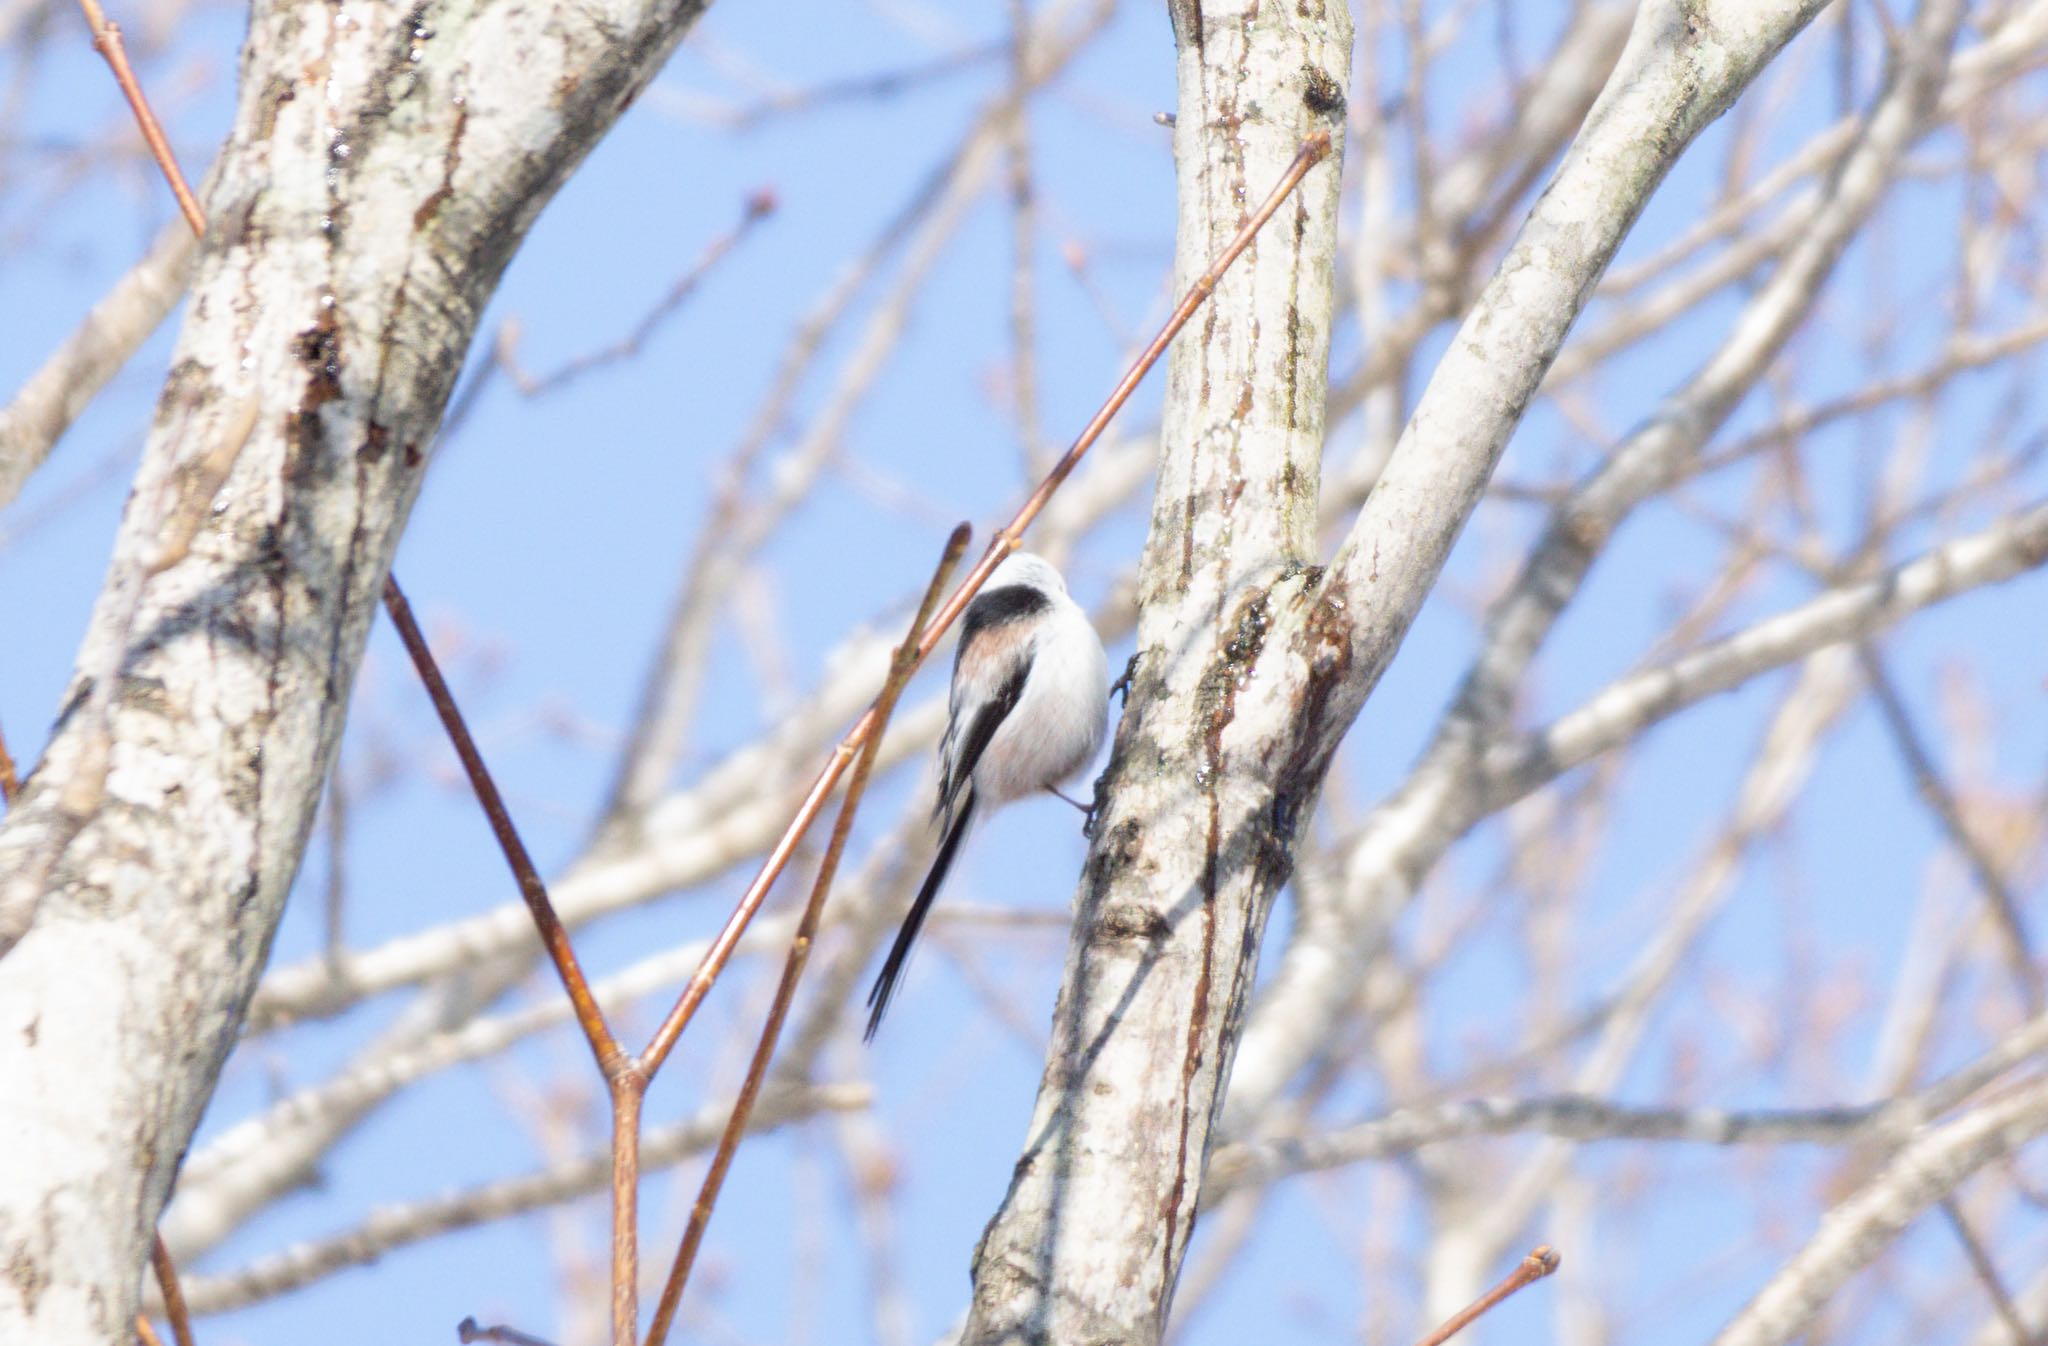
1056	790
1089	812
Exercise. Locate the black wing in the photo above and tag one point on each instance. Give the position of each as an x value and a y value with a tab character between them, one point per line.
1008	662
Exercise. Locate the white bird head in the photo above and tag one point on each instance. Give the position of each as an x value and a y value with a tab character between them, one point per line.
1028	569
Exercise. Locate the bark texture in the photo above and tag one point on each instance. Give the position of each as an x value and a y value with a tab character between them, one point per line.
1252	662
1194	841
1446	794
385	161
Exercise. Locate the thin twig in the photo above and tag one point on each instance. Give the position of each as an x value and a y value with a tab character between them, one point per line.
334	900
1312	151
146	1334
759	206
1540	1262
1987	1272
901	667
106	40
628	1090
552	935
1927	780
883	84
1024	243
175	1311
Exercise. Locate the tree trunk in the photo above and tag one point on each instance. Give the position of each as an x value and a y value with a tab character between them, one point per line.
1251	662
385	162
1194	841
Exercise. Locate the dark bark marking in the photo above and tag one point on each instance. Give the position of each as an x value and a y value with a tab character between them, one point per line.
1325	645
1133	923
1218	697
29	1277
1322	94
277	91
319	349
451	159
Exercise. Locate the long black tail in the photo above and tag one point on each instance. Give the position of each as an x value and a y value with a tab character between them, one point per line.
899	953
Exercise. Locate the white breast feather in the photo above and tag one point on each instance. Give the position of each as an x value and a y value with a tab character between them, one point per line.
1059	722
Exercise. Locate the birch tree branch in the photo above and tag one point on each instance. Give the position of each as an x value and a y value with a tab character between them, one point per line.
1626	706
1684	64
396	1227
1249	672
1433	807
45	406
1586	1118
1861	1227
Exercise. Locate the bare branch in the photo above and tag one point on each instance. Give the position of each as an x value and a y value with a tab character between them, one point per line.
1941	801
56	393
400	1226
1862	1226
1847	613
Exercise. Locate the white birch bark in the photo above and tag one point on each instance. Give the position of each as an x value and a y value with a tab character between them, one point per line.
1252	664
1089	1242
1435	806
385	161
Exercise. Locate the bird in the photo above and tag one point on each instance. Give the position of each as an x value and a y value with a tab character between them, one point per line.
1029	708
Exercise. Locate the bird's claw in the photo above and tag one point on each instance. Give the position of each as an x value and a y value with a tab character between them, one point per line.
1122	686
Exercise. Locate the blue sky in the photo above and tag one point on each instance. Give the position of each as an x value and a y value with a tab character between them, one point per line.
543	555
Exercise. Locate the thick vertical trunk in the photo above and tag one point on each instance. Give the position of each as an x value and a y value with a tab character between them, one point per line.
1252	662
384	163
1193	844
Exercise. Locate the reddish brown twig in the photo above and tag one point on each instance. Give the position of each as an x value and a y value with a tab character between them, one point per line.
610	1058
106	40
9	785
624	1077
1001	545
900	670
1540	1262
175	1311
146	1334
628	1089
